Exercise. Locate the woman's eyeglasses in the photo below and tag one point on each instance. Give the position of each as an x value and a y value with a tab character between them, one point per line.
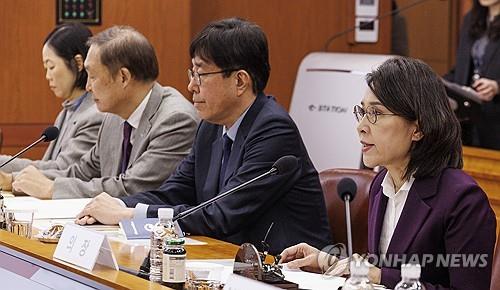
370	112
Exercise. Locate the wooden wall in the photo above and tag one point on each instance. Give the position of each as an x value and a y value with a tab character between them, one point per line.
27	105
432	31
23	79
294	28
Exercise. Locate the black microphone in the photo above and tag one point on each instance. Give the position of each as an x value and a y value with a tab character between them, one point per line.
283	165
49	134
346	189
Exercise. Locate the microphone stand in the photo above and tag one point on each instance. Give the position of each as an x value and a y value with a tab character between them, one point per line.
347	199
24	150
222	195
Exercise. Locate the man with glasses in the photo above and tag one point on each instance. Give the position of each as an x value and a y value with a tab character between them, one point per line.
242	134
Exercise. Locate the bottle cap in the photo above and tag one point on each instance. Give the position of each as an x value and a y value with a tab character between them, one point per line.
165	213
411	271
174	242
359	268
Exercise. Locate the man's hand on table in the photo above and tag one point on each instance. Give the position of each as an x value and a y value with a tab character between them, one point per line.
32	182
104	209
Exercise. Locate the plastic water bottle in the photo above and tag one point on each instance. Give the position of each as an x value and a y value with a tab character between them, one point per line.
164	229
410	275
359	277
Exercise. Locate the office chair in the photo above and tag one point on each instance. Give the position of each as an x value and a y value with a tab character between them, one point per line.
329	179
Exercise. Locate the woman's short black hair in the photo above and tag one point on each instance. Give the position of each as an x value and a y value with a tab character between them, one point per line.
67	41
479	19
235	43
411	89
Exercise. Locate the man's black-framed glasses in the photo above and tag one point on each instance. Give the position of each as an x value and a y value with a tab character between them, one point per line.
370	112
197	76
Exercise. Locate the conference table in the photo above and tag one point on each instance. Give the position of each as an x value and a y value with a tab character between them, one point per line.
129	256
39	266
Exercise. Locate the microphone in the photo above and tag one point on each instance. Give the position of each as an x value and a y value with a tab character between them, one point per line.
283	165
346	190
49	134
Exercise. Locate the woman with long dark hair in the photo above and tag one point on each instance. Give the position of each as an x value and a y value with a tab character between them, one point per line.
478	66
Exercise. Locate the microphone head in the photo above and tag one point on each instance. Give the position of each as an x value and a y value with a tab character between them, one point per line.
347	187
285	164
50	133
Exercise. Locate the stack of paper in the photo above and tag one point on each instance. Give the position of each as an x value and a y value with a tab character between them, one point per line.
48	209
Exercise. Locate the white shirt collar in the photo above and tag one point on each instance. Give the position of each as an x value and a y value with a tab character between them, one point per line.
388	186
231	132
135	117
393	210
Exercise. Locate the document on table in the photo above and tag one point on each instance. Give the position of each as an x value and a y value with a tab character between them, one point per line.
305	280
48	209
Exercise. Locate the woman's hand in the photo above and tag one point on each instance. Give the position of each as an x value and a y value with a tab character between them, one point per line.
486	88
301	256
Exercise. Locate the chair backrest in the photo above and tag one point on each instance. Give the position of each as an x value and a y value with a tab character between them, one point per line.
359	206
495	274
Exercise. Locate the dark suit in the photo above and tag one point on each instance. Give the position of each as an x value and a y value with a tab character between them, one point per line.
293	201
447	214
488	125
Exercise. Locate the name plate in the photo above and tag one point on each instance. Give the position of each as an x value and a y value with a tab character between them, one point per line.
84	248
136	229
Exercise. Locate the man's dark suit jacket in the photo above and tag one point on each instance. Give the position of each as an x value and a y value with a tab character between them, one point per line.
489	122
293	201
446	214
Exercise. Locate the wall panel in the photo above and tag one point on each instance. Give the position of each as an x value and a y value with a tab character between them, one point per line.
27	104
294	29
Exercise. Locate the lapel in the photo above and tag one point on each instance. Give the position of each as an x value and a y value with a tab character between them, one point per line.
70	127
211	187
241	135
464	76
50	149
491	50
377	215
145	124
110	144
414	214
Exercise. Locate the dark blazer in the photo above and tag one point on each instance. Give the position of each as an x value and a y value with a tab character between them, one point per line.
446	214
293	201
489	122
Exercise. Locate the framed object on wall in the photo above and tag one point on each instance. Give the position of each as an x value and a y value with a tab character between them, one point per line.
84	11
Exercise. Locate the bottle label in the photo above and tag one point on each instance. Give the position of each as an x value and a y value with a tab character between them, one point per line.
174	268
